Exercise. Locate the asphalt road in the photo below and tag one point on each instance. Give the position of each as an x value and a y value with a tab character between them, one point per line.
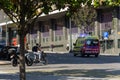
66	67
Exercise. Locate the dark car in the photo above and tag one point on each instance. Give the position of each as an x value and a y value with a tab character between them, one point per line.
1	53
2	42
5	52
1	47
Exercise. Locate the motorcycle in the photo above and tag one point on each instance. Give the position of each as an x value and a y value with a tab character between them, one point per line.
38	57
15	58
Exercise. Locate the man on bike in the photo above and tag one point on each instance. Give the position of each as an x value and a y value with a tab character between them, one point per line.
37	51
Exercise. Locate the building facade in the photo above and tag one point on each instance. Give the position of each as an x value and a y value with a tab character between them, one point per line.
108	21
58	31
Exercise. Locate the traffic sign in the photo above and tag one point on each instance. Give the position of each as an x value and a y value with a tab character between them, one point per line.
105	35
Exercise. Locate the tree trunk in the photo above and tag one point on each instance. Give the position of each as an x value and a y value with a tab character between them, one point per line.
22	57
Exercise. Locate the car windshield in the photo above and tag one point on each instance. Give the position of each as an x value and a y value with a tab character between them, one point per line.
92	42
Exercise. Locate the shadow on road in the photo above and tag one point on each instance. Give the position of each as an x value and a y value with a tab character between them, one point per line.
65	75
96	73
69	74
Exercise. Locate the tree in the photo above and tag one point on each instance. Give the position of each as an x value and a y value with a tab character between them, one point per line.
24	12
85	17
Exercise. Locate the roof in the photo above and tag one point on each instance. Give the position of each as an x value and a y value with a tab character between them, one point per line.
42	15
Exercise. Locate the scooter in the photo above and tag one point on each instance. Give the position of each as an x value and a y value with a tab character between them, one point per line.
15	59
38	57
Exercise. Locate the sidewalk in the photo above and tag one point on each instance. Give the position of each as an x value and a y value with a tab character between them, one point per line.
4	62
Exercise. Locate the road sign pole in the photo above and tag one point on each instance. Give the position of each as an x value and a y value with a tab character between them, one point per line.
105	35
105	45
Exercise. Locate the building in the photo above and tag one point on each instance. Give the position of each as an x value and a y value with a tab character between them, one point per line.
58	31
109	21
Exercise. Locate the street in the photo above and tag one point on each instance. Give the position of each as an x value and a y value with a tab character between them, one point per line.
67	67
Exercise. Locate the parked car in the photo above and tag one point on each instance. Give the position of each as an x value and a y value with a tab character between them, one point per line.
1	48
2	42
4	53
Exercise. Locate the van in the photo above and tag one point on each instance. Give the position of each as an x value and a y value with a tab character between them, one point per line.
88	45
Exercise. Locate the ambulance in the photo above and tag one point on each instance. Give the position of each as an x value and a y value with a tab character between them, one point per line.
89	45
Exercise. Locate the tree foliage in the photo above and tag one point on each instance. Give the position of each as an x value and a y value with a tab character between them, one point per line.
85	17
99	3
